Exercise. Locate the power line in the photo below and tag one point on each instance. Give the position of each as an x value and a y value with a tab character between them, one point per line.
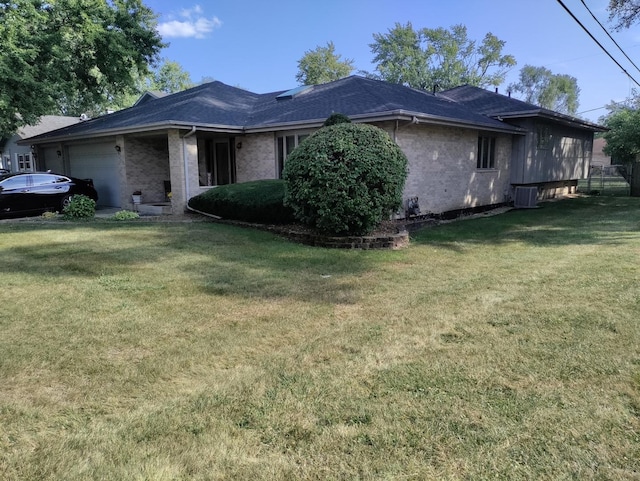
596	41
609	35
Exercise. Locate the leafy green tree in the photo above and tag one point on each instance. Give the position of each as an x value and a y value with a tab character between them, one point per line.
169	78
540	86
624	12
623	142
440	57
322	65
74	52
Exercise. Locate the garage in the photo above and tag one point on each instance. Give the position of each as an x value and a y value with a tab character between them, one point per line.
100	163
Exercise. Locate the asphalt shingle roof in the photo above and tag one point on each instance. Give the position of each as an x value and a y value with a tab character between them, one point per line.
217	105
502	106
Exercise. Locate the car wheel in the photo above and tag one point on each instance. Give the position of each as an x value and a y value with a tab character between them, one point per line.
66	200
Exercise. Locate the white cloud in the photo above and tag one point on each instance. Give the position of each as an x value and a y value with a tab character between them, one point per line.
192	25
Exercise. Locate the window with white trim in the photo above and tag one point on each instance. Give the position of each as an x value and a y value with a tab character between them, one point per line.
486	158
284	146
24	162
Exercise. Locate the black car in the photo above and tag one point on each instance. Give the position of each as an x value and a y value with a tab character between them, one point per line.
37	192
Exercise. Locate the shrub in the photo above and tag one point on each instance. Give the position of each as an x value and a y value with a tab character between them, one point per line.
125	215
344	179
260	201
335	119
80	207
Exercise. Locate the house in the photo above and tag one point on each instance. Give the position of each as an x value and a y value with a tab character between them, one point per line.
600	159
20	158
467	147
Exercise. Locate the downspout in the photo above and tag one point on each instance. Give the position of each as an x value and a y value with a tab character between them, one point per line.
186	163
414	121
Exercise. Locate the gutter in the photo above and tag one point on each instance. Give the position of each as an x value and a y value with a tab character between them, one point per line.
155	127
392	115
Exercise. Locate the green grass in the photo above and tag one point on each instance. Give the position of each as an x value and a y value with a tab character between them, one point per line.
502	347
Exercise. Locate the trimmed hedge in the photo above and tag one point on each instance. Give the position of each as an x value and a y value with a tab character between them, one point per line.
345	179
259	201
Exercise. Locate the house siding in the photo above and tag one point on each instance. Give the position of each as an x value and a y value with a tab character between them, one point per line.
443	172
566	157
256	160
441	162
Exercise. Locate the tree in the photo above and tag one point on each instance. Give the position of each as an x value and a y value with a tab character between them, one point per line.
170	78
70	53
427	58
625	12
322	65
623	142
540	86
345	178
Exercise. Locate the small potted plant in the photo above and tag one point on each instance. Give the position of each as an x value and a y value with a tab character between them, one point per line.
137	197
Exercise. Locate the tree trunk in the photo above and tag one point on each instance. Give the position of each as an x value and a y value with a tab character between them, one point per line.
635	179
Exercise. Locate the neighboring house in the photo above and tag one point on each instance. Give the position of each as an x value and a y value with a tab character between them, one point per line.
148	96
467	147
21	158
599	158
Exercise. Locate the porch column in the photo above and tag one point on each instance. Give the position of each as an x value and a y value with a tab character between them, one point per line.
183	165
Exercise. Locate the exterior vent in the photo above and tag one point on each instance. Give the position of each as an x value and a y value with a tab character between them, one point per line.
526	198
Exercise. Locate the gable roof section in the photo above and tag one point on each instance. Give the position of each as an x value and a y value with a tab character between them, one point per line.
219	107
150	95
46	124
500	106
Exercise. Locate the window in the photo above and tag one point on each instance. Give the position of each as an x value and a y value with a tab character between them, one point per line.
17	182
543	137
285	146
24	162
486	152
44	179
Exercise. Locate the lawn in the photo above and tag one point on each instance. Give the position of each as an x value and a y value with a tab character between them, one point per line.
503	347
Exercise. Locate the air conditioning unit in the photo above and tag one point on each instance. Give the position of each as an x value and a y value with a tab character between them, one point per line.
526	198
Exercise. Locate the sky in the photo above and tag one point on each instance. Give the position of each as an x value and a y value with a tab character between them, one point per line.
256	44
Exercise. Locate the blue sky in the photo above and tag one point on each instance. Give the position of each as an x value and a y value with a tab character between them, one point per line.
256	44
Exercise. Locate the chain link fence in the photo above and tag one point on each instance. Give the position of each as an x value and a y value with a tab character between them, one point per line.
607	180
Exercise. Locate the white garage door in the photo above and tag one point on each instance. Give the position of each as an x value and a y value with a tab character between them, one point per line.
100	163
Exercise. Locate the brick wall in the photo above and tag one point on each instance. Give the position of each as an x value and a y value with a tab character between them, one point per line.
256	160
442	168
147	168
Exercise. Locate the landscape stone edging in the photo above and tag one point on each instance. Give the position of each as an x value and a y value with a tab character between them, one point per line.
383	241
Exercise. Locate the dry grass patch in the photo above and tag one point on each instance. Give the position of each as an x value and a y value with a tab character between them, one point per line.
494	348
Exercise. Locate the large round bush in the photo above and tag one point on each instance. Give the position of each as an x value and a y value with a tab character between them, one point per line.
345	179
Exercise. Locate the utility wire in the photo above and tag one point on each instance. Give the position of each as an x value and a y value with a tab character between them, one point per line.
609	35
596	41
